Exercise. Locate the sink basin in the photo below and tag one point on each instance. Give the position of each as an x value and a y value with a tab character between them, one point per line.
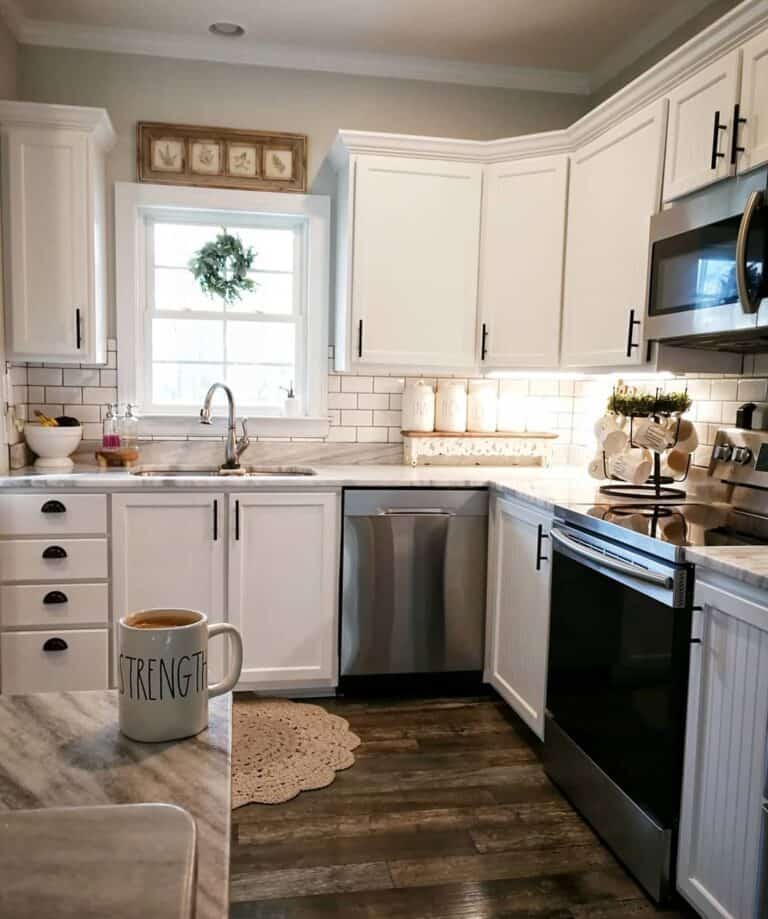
242	472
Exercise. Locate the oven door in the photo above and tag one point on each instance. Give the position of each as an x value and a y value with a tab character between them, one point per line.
708	262
618	664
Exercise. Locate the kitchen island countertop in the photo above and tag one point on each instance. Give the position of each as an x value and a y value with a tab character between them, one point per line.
65	749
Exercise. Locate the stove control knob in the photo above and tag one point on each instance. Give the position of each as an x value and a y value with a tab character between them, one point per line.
722	452
742	455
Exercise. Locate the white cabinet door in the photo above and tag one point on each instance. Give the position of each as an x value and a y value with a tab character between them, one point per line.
725	757
283	577
700	125
47	238
521	262
517	629
614	189
752	133
168	551
415	257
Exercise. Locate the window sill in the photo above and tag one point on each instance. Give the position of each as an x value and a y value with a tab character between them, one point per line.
258	426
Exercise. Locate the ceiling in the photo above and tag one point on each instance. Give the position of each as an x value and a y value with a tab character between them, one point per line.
557	45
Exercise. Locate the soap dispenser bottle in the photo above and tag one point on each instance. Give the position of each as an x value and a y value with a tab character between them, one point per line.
110	438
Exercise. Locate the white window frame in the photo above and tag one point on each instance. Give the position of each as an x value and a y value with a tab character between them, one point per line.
137	206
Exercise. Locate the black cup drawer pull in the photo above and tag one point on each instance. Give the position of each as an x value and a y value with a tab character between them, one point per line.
54	552
54	597
55	644
53	507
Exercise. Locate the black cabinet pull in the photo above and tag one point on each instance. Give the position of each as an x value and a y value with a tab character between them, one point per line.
55	596
483	340
55	644
54	552
78	330
717	128
53	507
215	519
540	537
237	520
631	333
737	120
360	338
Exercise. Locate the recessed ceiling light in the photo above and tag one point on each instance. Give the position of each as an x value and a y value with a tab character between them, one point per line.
228	29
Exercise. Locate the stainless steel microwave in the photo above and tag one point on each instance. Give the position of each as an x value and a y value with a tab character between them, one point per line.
708	268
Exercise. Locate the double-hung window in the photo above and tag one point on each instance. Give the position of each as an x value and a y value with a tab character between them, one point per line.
175	340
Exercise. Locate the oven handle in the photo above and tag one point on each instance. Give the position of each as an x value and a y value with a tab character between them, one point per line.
614	564
754	203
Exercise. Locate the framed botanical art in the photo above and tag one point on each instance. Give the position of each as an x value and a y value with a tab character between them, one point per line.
177	154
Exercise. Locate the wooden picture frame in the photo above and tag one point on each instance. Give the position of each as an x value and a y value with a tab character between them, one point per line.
178	154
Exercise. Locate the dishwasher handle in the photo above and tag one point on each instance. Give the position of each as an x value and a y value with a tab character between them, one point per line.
415	512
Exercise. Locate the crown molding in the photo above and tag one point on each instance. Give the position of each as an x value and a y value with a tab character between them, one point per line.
728	33
293	57
95	121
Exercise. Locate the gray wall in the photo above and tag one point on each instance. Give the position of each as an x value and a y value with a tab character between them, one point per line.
137	88
7	62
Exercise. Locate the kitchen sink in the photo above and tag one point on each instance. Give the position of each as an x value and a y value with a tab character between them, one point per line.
242	472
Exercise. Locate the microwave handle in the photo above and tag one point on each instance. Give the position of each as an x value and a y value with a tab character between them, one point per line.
754	203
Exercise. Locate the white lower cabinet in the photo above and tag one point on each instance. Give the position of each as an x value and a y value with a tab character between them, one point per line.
168	551
722	821
283	579
517	627
60	661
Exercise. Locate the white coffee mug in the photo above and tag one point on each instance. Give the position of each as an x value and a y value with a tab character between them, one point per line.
632	466
162	672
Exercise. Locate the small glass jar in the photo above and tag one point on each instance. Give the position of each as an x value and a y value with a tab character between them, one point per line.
110	437
129	427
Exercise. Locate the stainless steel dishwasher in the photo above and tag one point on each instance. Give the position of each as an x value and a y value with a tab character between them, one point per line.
413	581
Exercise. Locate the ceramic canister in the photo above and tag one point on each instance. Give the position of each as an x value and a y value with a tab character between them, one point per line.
451	410
482	403
418	406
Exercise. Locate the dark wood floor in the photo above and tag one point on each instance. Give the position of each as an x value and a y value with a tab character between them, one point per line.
446	814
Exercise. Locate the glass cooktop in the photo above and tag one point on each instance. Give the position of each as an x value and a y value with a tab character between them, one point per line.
687	524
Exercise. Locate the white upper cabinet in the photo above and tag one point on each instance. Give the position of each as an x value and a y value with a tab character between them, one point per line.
752	136
517	625
614	189
699	135
283	588
54	231
722	818
416	236
521	262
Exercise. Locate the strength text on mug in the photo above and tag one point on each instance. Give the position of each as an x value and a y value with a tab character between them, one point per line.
155	679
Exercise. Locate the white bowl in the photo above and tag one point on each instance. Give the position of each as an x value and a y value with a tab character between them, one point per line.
53	446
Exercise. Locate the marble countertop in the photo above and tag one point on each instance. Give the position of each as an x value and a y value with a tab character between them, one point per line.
748	564
64	749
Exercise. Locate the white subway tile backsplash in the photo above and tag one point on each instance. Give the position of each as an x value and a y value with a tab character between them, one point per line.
84	413
388	384
19	376
395	436
341	435
334	383
99	395
396	402
373	400
722	390
752	390
356	417
108	377
709	411
372	435
79	377
71	394
342	400
387	418
44	376
356	384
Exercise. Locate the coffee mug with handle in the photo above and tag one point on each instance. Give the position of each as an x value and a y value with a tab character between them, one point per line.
162	674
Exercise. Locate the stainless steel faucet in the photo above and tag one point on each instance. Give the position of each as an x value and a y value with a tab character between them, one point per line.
233	447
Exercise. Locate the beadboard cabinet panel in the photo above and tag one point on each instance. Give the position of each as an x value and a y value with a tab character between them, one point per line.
521	262
725	756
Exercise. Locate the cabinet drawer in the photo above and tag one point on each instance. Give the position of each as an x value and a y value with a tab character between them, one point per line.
66	515
54	605
81	662
23	559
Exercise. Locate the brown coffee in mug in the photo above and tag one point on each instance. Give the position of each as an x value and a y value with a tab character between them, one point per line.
169	621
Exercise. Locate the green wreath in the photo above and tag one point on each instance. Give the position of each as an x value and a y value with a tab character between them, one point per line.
221	267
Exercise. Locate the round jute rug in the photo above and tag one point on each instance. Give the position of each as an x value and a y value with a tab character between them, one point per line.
281	748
